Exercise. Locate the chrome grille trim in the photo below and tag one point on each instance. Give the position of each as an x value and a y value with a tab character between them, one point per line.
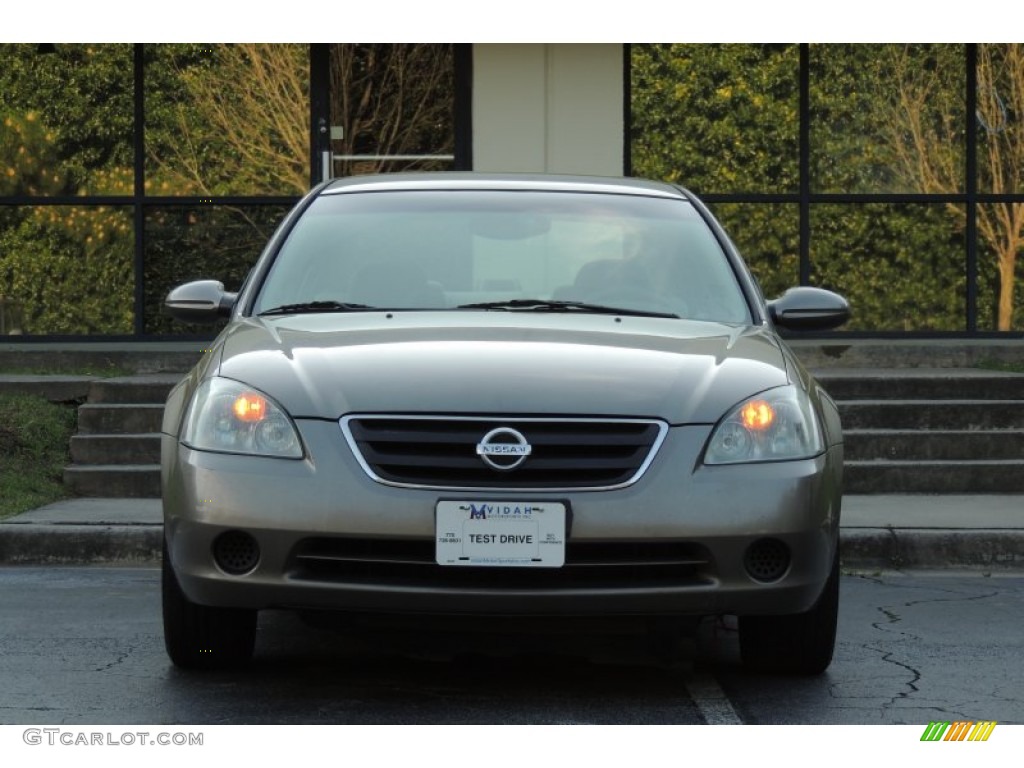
349	426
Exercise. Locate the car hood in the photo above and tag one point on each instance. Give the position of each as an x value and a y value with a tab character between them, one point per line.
331	365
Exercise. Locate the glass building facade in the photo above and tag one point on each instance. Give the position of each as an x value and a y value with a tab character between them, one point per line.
891	173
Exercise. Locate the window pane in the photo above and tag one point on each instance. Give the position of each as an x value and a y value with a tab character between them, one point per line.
66	119
192	243
902	267
67	269
887	118
392	101
1000	108
716	118
1000	267
230	119
768	237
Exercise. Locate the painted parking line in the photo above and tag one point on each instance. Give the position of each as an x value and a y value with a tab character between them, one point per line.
709	698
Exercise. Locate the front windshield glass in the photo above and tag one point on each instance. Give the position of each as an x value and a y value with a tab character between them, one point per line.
434	250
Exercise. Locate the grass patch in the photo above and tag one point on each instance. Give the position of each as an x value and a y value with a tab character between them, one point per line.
1001	365
34	439
100	371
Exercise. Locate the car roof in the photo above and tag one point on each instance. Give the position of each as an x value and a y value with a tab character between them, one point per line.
518	182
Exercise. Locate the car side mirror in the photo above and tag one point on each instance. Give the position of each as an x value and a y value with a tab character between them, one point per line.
202	301
809	309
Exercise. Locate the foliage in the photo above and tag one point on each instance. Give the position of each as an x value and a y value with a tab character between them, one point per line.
716	118
900	266
70	268
28	157
229	119
66	129
83	94
698	123
194	243
923	126
766	235
884	119
34	439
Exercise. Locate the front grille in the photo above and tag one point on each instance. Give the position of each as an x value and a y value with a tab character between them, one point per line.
593	565
441	452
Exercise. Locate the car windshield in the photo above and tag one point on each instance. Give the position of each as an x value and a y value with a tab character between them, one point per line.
504	251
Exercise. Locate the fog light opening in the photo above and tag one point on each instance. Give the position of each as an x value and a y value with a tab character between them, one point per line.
767	560
236	552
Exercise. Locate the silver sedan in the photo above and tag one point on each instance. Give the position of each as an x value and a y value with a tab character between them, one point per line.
502	395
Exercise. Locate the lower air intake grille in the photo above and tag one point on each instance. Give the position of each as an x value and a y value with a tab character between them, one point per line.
594	565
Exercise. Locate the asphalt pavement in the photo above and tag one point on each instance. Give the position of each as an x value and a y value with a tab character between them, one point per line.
982	532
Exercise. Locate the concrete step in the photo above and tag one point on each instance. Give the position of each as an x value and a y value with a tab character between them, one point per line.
927	414
113	481
56	389
933	445
146	389
933	477
119	418
943	384
116	449
857	354
133	356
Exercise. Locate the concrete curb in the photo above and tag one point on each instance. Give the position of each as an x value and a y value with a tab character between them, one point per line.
862	548
896	548
42	544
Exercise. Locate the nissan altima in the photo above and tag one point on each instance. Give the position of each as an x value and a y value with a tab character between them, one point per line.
523	396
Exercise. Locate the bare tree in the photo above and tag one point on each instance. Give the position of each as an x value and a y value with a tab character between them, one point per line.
923	126
245	127
393	100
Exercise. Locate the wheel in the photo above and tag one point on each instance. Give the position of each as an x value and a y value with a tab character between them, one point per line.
798	644
201	637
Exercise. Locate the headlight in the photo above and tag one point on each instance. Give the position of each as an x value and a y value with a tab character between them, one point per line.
778	425
230	417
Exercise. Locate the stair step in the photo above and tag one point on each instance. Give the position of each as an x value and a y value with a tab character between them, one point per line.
119	419
116	449
926	414
967	477
113	480
148	389
943	384
933	445
56	389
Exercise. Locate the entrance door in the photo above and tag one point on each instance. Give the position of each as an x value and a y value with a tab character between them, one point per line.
391	107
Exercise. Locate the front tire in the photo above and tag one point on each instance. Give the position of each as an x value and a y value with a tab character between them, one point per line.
798	644
200	636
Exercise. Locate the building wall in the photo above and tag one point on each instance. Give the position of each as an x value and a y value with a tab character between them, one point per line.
555	108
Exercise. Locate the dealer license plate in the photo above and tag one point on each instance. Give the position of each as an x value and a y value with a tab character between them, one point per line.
501	533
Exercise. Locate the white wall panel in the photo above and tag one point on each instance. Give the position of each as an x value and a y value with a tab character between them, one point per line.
554	108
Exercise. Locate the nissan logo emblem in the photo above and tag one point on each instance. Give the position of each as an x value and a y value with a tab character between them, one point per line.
503	449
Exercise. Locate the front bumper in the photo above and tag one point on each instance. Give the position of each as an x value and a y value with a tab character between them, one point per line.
329	537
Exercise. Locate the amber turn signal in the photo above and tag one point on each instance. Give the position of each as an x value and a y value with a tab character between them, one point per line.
250	407
757	415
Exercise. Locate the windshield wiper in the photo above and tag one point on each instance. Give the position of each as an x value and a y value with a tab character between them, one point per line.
317	306
546	305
